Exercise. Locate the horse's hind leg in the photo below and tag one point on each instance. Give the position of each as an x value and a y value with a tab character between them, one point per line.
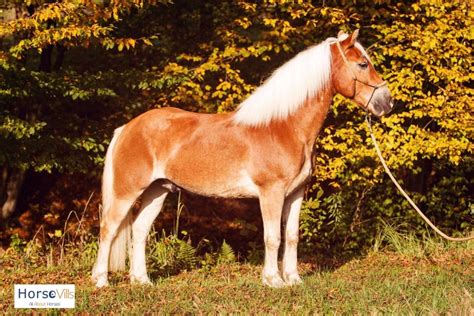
113	221
271	205
152	202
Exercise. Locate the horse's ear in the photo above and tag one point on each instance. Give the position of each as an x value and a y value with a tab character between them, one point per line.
348	40
354	37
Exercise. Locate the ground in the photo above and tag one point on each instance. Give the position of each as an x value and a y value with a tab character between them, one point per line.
382	281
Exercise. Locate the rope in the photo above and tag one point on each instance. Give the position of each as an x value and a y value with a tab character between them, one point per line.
436	229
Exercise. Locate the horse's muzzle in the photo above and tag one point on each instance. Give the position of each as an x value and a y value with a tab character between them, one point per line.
381	103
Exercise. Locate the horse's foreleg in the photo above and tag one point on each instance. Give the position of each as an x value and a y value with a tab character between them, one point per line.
291	213
152	202
271	205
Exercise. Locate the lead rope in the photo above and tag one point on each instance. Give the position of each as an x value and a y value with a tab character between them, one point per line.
387	170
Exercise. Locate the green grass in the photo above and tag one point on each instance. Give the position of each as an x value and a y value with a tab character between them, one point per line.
406	276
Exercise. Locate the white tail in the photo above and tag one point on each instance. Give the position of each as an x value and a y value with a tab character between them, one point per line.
120	245
118	250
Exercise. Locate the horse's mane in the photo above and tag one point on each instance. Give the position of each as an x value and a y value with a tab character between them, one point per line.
288	87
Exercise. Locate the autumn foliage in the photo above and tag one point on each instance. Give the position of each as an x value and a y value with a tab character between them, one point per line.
72	71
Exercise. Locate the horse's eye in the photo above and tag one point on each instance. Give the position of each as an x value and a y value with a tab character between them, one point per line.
363	65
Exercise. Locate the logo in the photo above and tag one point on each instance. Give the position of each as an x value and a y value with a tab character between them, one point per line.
45	296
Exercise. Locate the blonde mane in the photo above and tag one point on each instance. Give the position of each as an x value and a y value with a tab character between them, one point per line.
288	87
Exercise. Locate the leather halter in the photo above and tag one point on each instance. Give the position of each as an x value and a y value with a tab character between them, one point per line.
355	79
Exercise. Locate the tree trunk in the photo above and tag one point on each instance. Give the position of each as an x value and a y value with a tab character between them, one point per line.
45	59
59	57
12	181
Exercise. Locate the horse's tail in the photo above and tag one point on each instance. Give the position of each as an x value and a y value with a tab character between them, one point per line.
118	250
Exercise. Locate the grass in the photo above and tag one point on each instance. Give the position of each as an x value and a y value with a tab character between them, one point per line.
405	276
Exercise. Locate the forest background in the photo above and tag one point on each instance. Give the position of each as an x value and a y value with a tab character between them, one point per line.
72	71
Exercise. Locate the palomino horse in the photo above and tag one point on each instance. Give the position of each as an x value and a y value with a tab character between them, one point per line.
262	150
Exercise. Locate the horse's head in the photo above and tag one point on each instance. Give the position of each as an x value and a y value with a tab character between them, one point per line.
354	76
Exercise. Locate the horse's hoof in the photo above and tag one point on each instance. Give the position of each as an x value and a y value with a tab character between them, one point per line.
101	282
100	279
274	281
141	280
292	278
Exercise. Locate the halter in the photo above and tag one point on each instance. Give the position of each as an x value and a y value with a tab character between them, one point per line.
355	79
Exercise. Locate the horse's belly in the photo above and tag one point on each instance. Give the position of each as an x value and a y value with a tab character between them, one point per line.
240	186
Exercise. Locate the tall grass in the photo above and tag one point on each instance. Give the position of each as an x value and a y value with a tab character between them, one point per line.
413	246
401	275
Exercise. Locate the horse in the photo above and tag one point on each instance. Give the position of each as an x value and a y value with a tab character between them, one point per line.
262	150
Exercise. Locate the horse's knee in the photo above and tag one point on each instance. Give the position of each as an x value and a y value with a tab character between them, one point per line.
272	243
292	240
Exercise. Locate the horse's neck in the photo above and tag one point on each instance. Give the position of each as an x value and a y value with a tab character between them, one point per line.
308	120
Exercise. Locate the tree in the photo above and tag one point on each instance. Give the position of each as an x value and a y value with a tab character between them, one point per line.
48	117
120	58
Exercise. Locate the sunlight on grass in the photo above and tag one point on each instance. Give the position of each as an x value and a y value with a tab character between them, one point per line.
402	275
